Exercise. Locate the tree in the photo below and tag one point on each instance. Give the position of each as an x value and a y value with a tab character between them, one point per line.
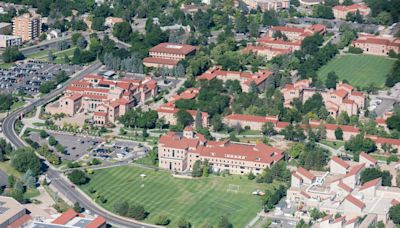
268	129
98	23
52	141
358	143
339	133
162	220
184	118
196	170
11	181
296	150
372	173
77	207
122	31
393	122
183	223
28	179
224	223
25	159
137	212
43	134
322	11
121	207
81	42
50	56
331	80
394	214
198	120
12	54
241	23
78	177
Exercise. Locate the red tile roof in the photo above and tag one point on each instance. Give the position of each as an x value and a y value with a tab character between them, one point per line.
176	140
100	114
65	217
93	76
20	221
340	162
368	157
171	48
153	60
305	194
355	201
252	118
305	173
74	97
341	93
281	124
345	128
270	41
345	187
287	29
351	221
371	183
380	140
355	170
97	222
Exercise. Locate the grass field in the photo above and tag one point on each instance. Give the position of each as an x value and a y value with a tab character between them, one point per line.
359	70
199	201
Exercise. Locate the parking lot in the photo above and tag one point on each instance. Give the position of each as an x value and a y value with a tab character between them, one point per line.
28	75
78	146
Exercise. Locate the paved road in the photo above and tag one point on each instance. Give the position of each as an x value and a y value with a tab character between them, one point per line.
61	184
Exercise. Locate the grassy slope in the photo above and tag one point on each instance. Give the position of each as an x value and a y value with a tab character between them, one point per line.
200	200
359	70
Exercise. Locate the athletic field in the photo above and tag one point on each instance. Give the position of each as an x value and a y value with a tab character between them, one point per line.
359	70
199	201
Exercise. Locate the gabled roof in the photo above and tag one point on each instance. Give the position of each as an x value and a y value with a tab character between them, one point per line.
340	162
97	222
252	118
345	187
355	170
371	183
355	201
172	48
368	157
305	173
66	217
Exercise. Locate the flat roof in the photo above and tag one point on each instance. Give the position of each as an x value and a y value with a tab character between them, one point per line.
9	207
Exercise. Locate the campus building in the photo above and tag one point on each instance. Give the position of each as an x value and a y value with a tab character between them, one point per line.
339	190
168	55
246	79
12	213
265	51
342	99
27	26
104	99
178	151
298	33
111	21
8	41
341	11
266	5
310	3
377	45
71	219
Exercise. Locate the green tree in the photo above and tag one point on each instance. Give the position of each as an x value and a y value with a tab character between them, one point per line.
198	120
369	174
162	220
78	177
394	214
184	118
25	159
196	170
98	23
224	223
77	207
339	133
183	223
11	181
331	80
137	212
241	23
43	134
121	207
12	54
122	31
52	141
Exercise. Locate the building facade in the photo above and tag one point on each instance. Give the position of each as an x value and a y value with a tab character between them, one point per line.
178	151
8	41
26	26
266	5
341	11
377	45
105	99
168	55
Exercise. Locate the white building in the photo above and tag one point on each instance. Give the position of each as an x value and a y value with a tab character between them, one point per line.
7	41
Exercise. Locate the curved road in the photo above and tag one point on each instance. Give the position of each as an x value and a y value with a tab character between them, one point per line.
57	180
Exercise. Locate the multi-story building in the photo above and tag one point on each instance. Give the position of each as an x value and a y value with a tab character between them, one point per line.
246	79
310	3
377	45
342	99
105	99
267	52
341	11
26	26
7	41
12	213
265	5
248	121
298	33
168	113
71	219
339	190
168	55
178	151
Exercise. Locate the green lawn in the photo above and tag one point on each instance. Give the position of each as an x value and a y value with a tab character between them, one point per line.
199	201
359	70
333	144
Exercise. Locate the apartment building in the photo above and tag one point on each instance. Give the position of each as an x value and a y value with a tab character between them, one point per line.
267	52
8	41
342	99
104	99
168	55
27	26
265	5
339	190
246	79
341	11
178	151
377	45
